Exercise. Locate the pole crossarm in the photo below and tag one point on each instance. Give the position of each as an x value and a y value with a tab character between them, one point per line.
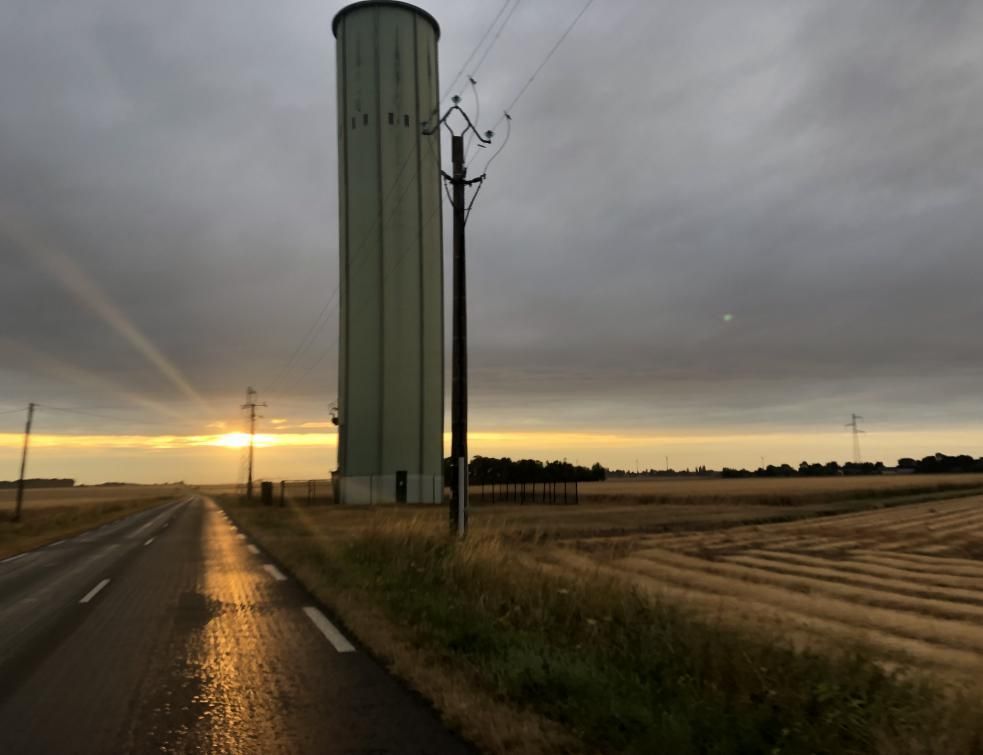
431	130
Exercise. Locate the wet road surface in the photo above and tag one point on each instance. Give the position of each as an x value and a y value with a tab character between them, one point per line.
168	632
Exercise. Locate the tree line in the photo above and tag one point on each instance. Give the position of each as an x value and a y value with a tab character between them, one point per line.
486	470
38	482
935	464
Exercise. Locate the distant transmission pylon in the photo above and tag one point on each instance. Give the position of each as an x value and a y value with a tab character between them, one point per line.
856	436
251	405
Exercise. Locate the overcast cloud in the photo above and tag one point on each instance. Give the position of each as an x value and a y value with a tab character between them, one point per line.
812	170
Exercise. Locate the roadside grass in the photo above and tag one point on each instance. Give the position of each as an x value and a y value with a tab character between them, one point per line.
495	641
41	525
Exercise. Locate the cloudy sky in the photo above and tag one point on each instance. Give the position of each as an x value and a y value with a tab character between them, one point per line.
717	229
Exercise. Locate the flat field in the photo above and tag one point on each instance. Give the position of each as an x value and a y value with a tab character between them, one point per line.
906	581
770	490
646	506
81	496
51	514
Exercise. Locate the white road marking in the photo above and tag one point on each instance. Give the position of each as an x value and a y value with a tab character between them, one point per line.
94	591
253	549
274	572
57	542
149	541
13	558
329	630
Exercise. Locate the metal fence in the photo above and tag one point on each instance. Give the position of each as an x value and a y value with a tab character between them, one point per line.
307	492
545	491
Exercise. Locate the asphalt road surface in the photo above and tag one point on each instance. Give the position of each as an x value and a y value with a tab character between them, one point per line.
168	632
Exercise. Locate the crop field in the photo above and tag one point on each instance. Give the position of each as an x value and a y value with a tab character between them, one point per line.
50	514
82	496
906	581
770	490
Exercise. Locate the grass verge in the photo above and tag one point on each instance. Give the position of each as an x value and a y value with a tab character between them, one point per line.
39	526
524	661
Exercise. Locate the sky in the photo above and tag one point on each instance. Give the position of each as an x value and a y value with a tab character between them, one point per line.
716	230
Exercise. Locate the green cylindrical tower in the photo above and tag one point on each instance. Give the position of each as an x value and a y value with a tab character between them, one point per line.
391	346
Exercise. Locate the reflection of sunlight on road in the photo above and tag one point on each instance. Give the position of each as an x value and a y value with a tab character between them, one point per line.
243	698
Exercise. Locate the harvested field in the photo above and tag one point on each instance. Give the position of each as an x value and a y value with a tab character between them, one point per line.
906	581
771	491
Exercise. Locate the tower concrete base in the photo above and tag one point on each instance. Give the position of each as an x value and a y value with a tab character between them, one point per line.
370	489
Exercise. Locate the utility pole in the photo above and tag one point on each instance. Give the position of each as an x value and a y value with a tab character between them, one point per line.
459	338
856	436
251	405
459	348
23	462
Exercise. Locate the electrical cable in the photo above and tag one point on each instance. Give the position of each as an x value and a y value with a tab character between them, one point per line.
85	413
546	60
464	65
484	55
304	371
508	134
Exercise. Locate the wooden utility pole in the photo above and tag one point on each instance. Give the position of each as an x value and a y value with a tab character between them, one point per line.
251	405
459	352
23	462
459	338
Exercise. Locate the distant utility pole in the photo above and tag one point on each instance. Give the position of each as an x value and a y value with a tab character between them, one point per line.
459	354
856	436
251	405
23	462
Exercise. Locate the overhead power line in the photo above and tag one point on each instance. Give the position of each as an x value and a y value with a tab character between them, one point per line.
484	55
85	413
545	60
453	82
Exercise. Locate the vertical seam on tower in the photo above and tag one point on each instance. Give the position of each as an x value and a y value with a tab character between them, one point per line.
344	326
440	257
382	252
424	357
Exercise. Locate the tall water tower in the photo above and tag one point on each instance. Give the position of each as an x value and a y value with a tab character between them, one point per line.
391	345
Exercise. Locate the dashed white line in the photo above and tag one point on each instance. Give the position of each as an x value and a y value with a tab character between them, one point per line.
57	542
274	572
253	549
94	591
13	558
149	541
329	630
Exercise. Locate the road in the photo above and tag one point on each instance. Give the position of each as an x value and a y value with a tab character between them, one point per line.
169	632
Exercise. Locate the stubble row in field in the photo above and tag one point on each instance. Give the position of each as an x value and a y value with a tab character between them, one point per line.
906	581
